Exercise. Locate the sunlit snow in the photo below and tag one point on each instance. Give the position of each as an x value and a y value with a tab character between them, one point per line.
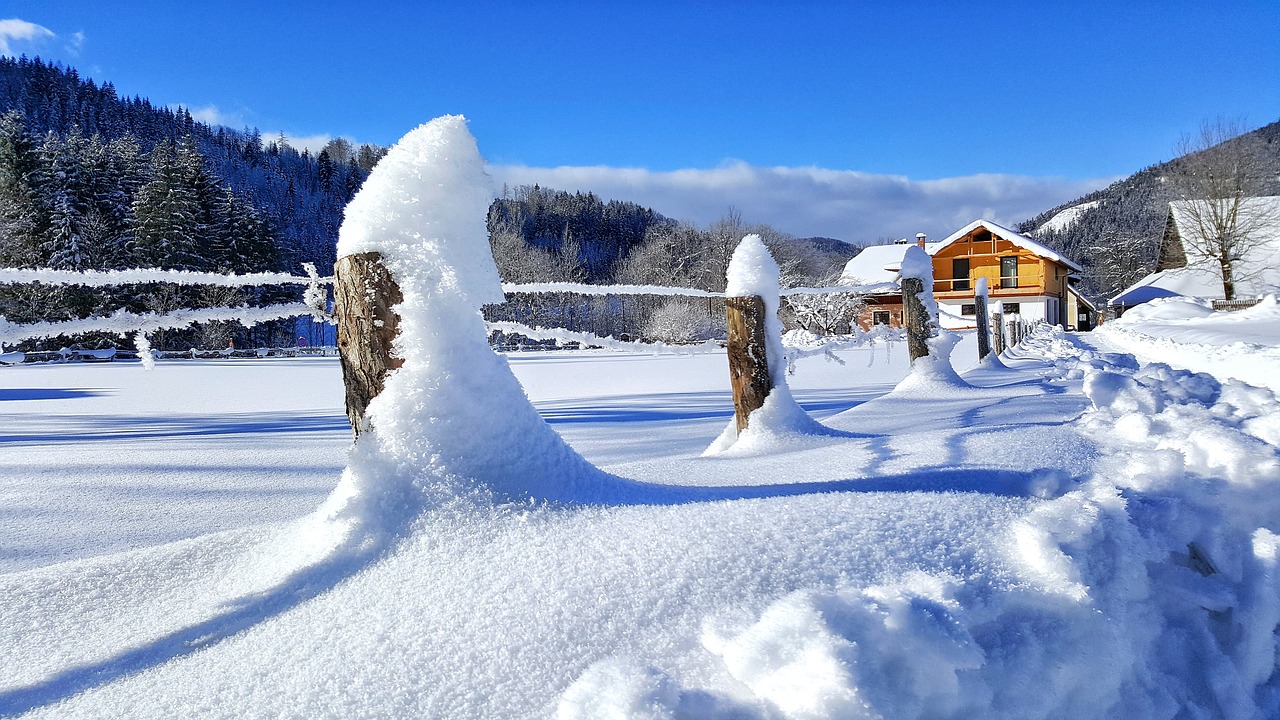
1071	532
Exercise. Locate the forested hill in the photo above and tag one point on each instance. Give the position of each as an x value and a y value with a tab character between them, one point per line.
84	173
1117	239
585	234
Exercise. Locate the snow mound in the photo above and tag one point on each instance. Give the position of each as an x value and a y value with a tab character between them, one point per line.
933	375
1170	308
884	651
452	424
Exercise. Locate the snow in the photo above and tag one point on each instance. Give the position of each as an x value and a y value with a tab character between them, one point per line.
1256	273
878	264
1078	533
104	278
1186	332
124	322
1065	218
1012	236
780	420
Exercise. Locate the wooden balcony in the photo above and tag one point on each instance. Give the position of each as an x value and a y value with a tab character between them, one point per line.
1024	284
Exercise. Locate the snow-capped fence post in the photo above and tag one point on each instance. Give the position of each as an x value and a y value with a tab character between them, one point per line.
980	315
748	355
364	293
997	332
917	300
1014	338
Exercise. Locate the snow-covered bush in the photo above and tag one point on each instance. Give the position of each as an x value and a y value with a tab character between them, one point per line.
680	320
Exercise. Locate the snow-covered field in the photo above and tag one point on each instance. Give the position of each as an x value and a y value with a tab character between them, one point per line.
1072	532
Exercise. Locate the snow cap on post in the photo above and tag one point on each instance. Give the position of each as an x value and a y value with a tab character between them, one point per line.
980	287
431	186
917	263
753	271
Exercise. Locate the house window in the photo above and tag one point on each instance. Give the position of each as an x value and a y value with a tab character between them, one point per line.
1011	308
969	309
1009	272
960	274
880	317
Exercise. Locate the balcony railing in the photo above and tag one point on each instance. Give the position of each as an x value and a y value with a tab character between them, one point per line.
996	285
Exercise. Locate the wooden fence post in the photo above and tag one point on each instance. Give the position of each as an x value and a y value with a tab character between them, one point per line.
980	314
916	318
748	356
364	294
997	332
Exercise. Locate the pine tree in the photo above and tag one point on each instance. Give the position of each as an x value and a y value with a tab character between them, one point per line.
24	218
165	215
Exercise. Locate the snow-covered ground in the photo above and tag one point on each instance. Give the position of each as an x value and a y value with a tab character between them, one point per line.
1187	333
1069	532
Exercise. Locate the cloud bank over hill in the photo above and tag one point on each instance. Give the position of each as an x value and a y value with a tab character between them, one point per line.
849	205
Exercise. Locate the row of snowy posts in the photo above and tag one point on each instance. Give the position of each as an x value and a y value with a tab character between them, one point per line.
365	294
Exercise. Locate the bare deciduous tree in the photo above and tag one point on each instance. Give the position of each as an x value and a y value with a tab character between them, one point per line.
1220	170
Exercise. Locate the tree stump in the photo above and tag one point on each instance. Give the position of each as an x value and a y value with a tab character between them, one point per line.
748	356
916	318
364	295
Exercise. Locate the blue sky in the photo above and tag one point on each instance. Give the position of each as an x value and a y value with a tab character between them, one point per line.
995	108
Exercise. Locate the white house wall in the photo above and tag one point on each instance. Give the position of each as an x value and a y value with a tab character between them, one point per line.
1032	309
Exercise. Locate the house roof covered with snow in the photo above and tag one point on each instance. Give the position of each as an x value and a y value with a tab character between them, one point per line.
880	263
1012	236
1258	273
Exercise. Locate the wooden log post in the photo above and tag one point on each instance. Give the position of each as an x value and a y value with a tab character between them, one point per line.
748	356
364	295
997	332
984	333
916	318
1013	334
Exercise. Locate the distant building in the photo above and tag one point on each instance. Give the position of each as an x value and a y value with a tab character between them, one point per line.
1183	270
1025	279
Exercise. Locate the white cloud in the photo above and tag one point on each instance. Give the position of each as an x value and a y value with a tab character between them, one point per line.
74	42
849	205
14	30
314	143
213	115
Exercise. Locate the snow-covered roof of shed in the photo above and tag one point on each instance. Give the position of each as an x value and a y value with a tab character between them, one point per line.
1258	273
1012	236
878	264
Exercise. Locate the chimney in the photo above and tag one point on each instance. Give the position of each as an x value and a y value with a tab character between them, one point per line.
920	240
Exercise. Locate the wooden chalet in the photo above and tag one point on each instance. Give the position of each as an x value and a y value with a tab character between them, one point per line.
1025	279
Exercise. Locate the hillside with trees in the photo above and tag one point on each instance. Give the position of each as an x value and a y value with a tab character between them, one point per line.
93	181
90	180
545	235
1117	240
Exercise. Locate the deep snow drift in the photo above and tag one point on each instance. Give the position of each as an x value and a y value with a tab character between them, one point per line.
1186	332
1071	534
